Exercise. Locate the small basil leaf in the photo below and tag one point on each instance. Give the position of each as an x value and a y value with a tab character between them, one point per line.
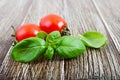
28	50
49	53
70	47
93	39
41	35
53	39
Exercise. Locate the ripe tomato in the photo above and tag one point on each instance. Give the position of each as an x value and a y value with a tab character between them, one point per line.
52	22
26	31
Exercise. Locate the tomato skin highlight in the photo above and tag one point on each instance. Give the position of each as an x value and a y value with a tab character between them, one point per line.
26	31
52	22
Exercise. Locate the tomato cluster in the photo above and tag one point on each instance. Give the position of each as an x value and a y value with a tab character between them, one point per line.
49	23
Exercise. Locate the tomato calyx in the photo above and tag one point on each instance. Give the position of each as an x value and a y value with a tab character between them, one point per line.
13	36
65	32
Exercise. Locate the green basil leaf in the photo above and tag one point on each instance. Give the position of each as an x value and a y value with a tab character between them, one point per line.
53	39
41	35
93	39
49	52
70	47
28	50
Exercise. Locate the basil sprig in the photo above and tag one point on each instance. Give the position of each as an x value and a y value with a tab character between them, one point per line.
45	44
53	39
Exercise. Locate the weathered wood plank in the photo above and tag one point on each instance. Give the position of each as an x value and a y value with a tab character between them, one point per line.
86	18
81	16
11	13
109	14
41	69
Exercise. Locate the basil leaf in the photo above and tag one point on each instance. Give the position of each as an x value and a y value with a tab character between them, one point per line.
49	52
93	39
53	39
41	35
70	47
28	50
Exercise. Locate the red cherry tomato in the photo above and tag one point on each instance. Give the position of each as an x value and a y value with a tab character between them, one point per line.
26	31
52	22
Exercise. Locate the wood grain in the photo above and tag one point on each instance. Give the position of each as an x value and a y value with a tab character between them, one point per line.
81	16
11	13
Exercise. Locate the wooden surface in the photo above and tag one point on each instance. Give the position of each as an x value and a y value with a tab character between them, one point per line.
81	16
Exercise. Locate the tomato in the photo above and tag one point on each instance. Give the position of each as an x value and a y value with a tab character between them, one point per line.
52	22
26	31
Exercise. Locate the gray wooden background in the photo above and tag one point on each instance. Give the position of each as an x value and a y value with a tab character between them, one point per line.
81	16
